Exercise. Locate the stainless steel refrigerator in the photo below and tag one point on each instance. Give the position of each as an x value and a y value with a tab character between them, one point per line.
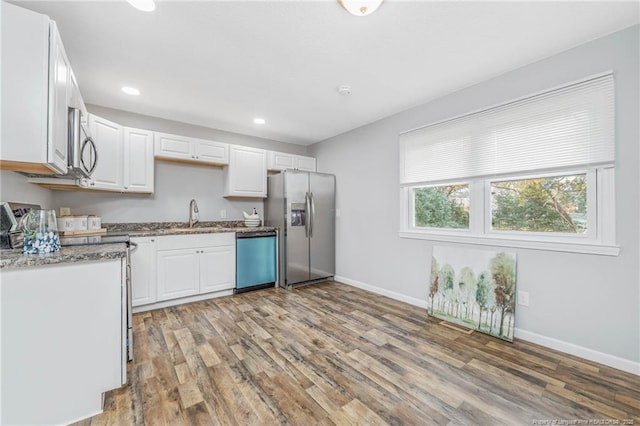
302	205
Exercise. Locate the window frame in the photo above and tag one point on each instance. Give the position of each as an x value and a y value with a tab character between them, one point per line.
599	239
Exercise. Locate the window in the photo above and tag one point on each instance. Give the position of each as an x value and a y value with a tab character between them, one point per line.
537	172
445	206
551	204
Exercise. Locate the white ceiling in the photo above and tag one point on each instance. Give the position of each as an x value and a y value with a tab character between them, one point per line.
220	64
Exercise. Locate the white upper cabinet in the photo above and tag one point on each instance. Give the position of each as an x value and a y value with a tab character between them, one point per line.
307	164
138	160
125	157
60	94
283	161
246	174
75	99
107	136
280	161
211	152
173	147
184	148
36	90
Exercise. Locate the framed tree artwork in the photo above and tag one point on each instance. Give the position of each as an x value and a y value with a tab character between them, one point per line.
475	289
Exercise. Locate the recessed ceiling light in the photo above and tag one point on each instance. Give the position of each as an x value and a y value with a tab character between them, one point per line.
259	120
131	90
344	90
143	5
360	7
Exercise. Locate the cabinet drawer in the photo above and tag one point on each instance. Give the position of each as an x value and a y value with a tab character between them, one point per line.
173	242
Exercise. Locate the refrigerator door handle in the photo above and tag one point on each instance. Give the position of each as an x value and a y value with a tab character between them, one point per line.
313	214
307	204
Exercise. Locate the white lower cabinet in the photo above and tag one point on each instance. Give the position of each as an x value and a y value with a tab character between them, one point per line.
215	271
178	273
62	340
179	268
143	271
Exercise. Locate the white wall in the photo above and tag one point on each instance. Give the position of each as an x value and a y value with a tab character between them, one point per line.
585	304
175	184
14	187
131	119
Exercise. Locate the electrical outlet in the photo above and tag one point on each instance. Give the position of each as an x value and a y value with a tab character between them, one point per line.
337	212
65	211
523	298
223	214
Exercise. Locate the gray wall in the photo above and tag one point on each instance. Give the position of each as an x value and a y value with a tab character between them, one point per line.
146	122
586	300
175	184
14	187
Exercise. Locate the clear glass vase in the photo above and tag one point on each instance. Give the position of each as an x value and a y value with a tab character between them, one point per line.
40	230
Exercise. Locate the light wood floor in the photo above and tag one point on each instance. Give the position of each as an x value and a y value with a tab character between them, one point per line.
332	354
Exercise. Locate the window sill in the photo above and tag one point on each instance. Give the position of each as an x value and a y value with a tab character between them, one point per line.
567	247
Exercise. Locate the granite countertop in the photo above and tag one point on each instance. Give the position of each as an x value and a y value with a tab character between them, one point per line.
155	229
87	253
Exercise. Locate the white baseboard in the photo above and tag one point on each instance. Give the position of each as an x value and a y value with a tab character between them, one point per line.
549	342
580	351
392	294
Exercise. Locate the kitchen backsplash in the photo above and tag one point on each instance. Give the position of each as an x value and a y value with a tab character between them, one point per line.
175	185
14	187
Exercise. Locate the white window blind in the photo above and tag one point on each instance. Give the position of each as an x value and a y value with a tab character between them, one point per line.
565	127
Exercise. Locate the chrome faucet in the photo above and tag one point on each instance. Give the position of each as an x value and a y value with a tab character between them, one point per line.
193	213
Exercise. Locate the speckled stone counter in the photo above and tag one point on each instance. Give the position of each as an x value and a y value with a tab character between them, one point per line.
84	253
87	253
131	227
155	229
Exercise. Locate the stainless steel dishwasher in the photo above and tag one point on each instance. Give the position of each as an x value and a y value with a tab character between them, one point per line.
256	260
